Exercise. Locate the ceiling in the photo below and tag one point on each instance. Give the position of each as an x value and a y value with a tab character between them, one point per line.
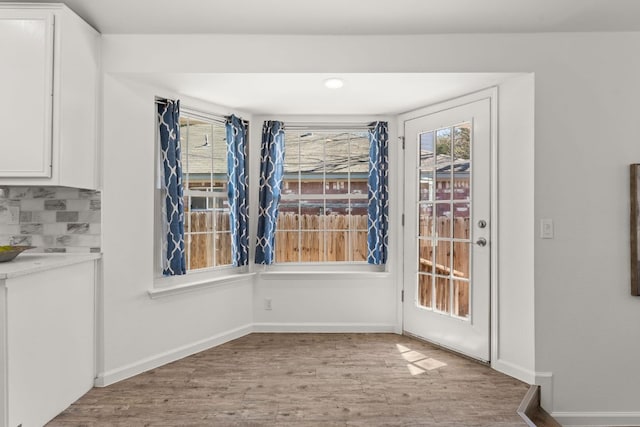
305	93
363	93
343	17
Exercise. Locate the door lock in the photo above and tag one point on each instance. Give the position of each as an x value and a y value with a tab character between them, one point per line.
481	242
482	223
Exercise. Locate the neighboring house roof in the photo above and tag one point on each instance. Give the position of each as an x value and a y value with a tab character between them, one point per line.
204	149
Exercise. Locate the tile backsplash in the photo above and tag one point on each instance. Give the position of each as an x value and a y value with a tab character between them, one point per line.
54	219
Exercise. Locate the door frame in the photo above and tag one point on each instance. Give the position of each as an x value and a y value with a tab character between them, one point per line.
492	94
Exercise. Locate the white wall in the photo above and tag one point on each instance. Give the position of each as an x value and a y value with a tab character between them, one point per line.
137	332
586	94
515	345
335	302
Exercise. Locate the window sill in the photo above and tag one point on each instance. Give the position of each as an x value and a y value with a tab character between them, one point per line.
322	274
195	284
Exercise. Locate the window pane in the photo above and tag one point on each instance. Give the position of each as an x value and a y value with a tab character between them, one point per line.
222	217
425	261
461	220
359	162
336	154
427	187
290	184
312	159
288	218
312	211
223	252
442	287
312	246
462	142
443	220
461	259
359	222
200	222
425	220
287	248
337	245
426	150
425	290
201	250
461	298
358	246
443	257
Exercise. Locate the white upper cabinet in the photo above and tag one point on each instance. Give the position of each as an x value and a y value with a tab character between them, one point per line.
49	79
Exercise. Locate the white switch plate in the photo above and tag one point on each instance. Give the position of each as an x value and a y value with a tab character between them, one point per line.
14	215
546	228
267	304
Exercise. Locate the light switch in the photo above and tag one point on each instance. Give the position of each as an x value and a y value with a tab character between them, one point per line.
546	228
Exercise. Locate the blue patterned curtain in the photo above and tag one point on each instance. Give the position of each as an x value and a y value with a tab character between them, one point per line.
378	212
173	256
271	173
237	189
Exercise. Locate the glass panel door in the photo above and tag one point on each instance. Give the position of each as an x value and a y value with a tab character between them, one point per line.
447	208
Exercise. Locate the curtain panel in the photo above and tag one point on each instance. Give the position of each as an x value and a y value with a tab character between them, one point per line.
237	189
378	209
271	174
173	253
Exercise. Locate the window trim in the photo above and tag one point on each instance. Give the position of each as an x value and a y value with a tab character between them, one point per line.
192	279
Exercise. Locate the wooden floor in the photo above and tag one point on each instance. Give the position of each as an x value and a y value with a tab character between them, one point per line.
308	380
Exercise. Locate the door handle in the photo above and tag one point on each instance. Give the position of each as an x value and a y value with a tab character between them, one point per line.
481	242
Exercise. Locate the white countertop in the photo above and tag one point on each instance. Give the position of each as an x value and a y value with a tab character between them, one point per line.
27	263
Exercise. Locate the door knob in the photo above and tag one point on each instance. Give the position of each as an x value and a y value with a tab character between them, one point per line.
481	242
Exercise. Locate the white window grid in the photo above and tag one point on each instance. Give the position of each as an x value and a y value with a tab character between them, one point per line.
350	195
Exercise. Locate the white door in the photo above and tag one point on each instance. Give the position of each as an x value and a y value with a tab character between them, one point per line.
447	227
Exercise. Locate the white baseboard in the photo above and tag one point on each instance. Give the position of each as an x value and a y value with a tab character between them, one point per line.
597	418
324	327
545	381
514	371
106	378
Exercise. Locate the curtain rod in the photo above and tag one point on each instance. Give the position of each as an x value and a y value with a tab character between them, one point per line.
203	114
326	126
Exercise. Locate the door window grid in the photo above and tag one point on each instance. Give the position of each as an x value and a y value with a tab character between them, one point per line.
447	199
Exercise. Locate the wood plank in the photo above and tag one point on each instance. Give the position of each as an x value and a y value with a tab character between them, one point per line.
309	380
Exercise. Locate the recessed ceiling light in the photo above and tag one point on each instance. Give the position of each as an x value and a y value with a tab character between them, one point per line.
334	83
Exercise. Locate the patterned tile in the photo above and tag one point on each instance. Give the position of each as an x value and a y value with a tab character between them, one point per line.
43	193
78	205
26	216
67	216
78	228
55	219
31	229
21	240
55	205
55	250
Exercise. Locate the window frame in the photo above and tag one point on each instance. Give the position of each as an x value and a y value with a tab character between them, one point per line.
290	269
193	278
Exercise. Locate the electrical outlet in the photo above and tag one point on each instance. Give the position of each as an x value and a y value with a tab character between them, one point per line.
267	303
14	215
546	228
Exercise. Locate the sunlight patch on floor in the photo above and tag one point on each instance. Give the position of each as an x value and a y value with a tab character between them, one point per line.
418	362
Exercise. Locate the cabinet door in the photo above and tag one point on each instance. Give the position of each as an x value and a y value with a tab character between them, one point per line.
26	81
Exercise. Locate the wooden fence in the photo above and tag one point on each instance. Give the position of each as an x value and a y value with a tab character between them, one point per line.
451	260
306	245
309	245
